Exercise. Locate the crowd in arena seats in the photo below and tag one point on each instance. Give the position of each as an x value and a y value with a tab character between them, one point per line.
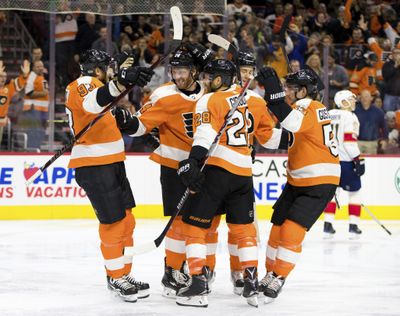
362	37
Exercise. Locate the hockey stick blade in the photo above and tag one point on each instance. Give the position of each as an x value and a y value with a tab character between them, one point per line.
375	219
178	32
157	242
222	42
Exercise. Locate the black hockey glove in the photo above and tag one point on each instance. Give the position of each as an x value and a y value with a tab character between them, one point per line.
126	122
274	93
359	166
152	139
190	174
135	76
201	54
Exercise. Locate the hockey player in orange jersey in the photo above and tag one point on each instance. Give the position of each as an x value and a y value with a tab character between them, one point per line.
98	158
170	109
8	89
313	171
227	180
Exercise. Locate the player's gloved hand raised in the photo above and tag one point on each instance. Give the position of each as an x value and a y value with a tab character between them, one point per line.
359	166
190	174
134	76
274	92
201	54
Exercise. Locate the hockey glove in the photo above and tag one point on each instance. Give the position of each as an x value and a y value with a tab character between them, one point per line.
134	76
126	122
359	166
274	93
152	139
201	54
190	174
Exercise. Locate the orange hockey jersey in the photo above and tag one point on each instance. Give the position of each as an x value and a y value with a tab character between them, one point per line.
7	92
36	83
103	143
251	116
172	112
313	153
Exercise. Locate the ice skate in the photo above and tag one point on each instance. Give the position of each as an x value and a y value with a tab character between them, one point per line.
250	289
237	281
329	231
195	293
210	275
172	281
354	231
123	288
262	285
274	288
142	287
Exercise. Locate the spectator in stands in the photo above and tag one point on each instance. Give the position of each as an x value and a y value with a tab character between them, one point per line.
145	55
393	133
313	45
142	27
101	42
8	89
87	34
314	62
238	10
373	129
3	19
276	59
391	76
37	55
366	77
338	77
295	65
66	30
299	44
36	106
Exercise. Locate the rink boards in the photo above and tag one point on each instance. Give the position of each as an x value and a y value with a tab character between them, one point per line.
55	195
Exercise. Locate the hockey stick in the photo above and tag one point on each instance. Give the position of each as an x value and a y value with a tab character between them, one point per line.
230	48
177	39
136	250
282	38
375	219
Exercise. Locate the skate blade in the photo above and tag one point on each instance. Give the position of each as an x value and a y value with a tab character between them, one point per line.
354	236
143	293
268	300
169	293
253	300
127	298
328	235
238	290
193	301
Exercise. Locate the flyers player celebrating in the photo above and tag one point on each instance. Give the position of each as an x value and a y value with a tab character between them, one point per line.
346	128
260	126
227	182
313	171
171	109
98	158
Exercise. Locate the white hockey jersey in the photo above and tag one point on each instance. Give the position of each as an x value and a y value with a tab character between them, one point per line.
345	127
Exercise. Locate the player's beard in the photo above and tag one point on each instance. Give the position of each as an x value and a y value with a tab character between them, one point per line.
184	84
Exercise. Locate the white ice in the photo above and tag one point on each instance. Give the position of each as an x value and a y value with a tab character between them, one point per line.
55	268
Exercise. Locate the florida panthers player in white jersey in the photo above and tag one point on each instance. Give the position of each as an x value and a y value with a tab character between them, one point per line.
345	126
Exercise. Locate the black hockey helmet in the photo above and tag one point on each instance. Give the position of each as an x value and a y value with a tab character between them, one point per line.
181	58
93	58
304	78
223	68
246	59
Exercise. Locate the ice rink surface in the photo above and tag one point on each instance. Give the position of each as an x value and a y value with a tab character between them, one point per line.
55	268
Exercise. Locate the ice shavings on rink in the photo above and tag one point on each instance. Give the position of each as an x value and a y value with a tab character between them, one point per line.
56	268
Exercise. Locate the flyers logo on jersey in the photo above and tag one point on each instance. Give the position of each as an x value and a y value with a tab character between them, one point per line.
188	123
3	100
323	115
